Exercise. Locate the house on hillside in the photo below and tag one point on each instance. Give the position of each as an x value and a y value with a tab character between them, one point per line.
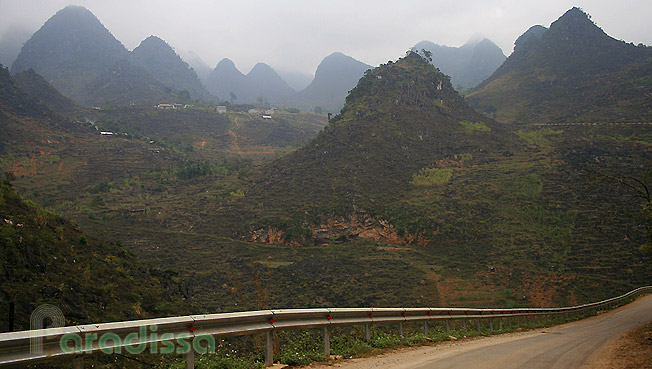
221	109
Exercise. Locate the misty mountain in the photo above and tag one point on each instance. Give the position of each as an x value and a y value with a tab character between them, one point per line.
295	79
198	65
261	82
573	71
226	79
265	82
467	65
70	50
158	58
10	44
127	84
336	75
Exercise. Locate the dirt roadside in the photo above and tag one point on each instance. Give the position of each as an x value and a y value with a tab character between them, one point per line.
632	350
616	339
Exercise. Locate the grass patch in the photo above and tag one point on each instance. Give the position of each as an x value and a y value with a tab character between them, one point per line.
432	177
470	127
538	138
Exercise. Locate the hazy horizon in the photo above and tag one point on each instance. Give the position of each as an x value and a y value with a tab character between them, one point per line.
294	36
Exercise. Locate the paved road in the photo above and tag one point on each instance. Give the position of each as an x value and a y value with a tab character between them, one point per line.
573	345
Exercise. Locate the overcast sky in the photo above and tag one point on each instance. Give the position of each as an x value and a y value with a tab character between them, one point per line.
298	34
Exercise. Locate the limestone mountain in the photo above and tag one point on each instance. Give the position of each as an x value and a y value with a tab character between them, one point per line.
336	75
402	121
226	82
261	83
265	83
573	71
70	50
162	62
467	65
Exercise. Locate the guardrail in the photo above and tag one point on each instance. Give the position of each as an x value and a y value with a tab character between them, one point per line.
187	334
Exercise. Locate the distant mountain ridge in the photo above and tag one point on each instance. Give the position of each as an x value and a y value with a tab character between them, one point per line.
573	71
262	82
336	75
80	57
467	65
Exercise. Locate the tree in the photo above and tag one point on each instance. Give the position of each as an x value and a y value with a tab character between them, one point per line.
233	97
427	54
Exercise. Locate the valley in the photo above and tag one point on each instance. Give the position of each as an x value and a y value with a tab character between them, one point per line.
528	190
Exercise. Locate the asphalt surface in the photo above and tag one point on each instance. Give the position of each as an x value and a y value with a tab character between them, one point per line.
580	344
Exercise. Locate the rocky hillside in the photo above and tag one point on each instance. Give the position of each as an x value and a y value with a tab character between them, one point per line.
399	125
39	89
46	259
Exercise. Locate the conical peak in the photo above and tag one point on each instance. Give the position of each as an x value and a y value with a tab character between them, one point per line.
73	16
410	82
154	40
226	63
575	21
261	68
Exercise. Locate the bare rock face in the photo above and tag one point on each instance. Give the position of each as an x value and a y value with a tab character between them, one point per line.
359	225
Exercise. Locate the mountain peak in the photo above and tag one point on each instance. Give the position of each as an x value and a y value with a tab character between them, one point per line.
69	50
335	76
576	21
530	36
226	64
261	67
154	40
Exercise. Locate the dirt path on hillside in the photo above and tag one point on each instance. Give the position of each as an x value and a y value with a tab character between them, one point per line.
582	344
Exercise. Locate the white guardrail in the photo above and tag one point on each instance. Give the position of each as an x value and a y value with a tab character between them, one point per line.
185	334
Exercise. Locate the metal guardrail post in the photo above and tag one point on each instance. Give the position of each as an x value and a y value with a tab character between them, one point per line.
425	328
269	349
327	343
464	324
190	359
367	332
448	327
400	329
78	362
491	324
500	323
479	329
